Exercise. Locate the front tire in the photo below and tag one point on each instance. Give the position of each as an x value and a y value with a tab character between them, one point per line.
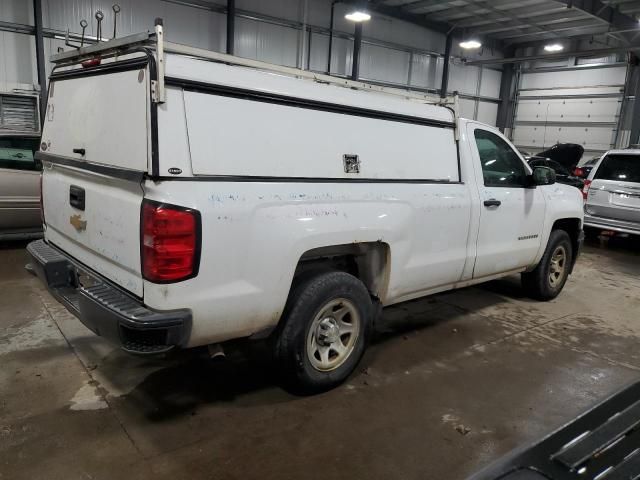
546	281
324	331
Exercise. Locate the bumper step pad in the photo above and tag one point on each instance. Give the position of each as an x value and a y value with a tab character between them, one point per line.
105	309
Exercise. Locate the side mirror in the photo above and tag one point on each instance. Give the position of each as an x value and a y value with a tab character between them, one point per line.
543	176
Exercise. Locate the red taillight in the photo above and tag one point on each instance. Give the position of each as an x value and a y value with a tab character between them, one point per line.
578	172
170	242
41	201
585	189
92	62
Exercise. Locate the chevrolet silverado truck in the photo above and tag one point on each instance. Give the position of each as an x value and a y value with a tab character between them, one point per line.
191	197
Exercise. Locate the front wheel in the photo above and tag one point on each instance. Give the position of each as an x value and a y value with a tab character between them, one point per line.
324	331
546	281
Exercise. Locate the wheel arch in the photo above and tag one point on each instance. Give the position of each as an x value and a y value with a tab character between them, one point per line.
368	261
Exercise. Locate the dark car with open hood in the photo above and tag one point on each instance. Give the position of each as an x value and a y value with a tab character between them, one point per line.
563	158
566	154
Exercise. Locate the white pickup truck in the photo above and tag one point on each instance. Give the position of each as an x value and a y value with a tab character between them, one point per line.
191	198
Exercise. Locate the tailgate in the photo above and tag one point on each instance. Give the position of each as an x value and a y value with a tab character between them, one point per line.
105	235
95	151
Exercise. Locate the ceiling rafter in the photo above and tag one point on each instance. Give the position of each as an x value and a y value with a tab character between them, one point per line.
401	14
608	14
425	6
550	21
514	22
504	17
560	30
532	11
603	12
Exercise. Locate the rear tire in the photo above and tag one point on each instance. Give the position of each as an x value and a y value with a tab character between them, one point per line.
546	281
324	331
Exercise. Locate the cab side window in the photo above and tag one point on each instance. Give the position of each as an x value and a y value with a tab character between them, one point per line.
501	166
18	153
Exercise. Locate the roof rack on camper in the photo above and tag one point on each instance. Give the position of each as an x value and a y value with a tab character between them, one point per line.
155	40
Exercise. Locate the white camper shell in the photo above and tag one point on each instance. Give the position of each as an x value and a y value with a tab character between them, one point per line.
192	197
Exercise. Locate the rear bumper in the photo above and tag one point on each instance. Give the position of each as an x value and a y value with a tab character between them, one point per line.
105	309
611	224
21	234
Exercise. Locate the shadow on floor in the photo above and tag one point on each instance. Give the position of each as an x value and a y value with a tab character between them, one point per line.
193	379
196	380
617	243
13	244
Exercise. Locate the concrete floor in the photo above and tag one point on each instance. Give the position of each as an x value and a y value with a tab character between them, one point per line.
450	383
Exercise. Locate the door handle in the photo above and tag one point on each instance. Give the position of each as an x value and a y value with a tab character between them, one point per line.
77	197
492	202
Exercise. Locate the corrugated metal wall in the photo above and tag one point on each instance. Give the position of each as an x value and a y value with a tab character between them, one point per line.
393	52
17	70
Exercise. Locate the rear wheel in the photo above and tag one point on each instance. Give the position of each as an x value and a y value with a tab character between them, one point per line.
324	331
546	281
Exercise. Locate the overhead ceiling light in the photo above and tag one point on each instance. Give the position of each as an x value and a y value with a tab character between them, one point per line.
553	47
358	16
469	44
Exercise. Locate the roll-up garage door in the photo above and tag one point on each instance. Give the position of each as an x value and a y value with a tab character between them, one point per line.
580	105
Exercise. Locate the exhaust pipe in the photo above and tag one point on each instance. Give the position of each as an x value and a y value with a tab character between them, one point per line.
216	351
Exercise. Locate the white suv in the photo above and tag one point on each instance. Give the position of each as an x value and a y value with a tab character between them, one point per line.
612	193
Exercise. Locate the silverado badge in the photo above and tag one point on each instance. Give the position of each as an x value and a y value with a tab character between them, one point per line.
78	223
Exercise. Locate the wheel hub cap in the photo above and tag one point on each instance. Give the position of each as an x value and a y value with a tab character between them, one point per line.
328	332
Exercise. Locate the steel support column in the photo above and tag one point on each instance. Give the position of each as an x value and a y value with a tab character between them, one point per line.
40	60
333	8
634	134
357	44
506	87
445	68
231	25
303	38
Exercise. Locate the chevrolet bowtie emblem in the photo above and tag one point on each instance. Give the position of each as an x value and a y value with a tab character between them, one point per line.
78	223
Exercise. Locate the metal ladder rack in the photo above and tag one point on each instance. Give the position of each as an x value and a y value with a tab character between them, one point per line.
155	40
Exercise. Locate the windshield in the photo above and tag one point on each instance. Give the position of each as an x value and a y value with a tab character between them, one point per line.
620	167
